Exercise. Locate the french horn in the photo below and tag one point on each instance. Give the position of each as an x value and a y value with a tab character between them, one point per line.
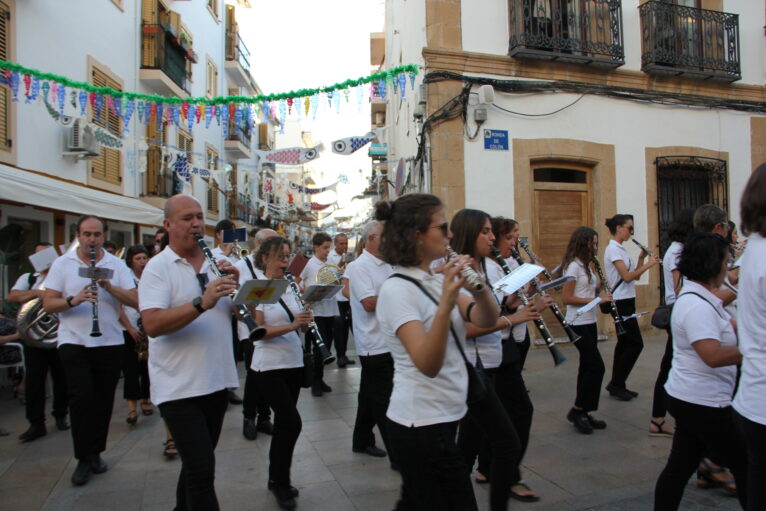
37	328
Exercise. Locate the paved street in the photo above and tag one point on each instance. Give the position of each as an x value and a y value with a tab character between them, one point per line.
611	470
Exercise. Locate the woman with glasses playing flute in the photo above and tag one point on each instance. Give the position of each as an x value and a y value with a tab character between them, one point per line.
582	247
422	315
622	274
278	365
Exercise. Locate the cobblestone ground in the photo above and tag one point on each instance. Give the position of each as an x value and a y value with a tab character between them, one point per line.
611	470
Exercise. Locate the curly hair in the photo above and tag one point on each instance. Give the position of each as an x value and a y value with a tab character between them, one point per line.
271	246
702	256
133	251
502	226
579	247
752	207
466	226
403	218
320	238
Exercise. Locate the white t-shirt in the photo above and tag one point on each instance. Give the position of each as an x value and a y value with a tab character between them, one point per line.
489	346
76	323
22	283
670	263
694	319
335	258
365	277
285	351
326	308
131	313
198	359
494	273
220	256
616	252
584	288
244	275
750	400
416	399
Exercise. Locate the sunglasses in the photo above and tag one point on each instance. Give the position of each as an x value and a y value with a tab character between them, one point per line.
444	227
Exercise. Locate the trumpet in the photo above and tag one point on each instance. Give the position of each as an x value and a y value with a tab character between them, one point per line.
558	357
95	331
327	356
648	252
469	273
612	305
256	332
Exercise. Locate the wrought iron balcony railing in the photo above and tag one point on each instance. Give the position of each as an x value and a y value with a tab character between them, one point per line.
686	41
158	51
240	210
159	180
236	50
243	134
577	31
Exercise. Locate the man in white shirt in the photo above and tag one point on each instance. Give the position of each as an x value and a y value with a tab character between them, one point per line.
324	310
37	362
339	257
361	284
92	363
186	313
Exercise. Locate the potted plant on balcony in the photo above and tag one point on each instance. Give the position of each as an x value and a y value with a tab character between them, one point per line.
192	55
185	43
149	29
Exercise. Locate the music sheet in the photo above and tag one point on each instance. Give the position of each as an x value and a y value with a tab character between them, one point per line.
255	291
517	278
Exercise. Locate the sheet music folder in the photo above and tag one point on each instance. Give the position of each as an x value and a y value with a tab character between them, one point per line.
254	292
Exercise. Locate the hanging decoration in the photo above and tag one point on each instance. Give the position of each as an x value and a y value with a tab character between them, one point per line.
310	191
350	145
291	155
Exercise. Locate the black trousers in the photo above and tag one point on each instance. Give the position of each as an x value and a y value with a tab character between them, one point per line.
488	420
434	474
629	345
341	326
590	373
754	435
700	430
523	348
37	362
325	327
375	387
254	401
195	424
136	372
91	376
660	397
282	388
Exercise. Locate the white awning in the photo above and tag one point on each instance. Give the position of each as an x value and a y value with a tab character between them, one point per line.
38	190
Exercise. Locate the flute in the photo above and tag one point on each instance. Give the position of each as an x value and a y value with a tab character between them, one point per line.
327	356
256	332
469	273
95	331
612	305
648	252
558	357
573	337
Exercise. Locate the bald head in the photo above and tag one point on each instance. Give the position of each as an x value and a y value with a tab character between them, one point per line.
183	219
262	236
179	202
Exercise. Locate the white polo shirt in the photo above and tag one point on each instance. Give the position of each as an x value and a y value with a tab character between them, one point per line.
365	277
198	359
326	308
750	400
694	319
494	273
335	258
244	275
416	399
285	351
22	283
131	313
220	256
76	322
584	288
616	252
670	263
489	346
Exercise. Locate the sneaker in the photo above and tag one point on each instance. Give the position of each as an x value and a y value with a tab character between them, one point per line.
249	430
579	418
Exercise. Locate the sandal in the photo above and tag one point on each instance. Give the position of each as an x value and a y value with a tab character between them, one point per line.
146	408
530	497
132	418
706	477
661	431
170	450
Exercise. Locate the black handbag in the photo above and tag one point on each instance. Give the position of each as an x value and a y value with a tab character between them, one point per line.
661	317
478	381
307	376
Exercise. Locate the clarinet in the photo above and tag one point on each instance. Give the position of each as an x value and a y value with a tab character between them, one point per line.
558	357
573	337
256	332
327	356
648	252
612	305
95	331
469	273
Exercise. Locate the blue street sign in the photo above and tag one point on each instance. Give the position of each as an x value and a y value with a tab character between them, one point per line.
496	139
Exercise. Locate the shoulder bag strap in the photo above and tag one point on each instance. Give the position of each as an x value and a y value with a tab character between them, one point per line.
708	301
250	267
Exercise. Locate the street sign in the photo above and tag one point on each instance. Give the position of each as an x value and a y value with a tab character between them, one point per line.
496	139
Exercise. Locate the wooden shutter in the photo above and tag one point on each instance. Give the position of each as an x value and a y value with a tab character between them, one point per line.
212	193
108	166
156	180
211	80
150	10
5	93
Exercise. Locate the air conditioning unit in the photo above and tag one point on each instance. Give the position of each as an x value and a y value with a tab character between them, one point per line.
80	140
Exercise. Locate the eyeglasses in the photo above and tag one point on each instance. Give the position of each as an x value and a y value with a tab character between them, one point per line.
283	256
444	227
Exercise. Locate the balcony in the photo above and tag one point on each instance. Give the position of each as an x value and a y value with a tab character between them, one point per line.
691	42
572	31
240	210
164	61
237	60
158	180
238	142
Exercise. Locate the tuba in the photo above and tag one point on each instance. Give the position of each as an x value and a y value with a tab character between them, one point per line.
37	328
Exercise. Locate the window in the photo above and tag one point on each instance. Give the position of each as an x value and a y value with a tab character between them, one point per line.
108	166
211	163
212	6
211	80
5	92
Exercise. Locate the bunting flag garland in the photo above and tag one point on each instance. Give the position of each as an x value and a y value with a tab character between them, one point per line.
350	145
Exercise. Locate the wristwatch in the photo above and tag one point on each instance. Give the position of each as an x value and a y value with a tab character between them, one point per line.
69	301
197	302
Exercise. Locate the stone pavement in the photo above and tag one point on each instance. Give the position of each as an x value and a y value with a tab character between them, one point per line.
611	470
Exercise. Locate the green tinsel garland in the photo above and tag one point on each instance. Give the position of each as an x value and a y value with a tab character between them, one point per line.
300	93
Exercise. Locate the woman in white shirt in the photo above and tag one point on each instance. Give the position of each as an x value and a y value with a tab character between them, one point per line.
622	275
421	315
682	226
703	374
750	401
583	245
278	364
